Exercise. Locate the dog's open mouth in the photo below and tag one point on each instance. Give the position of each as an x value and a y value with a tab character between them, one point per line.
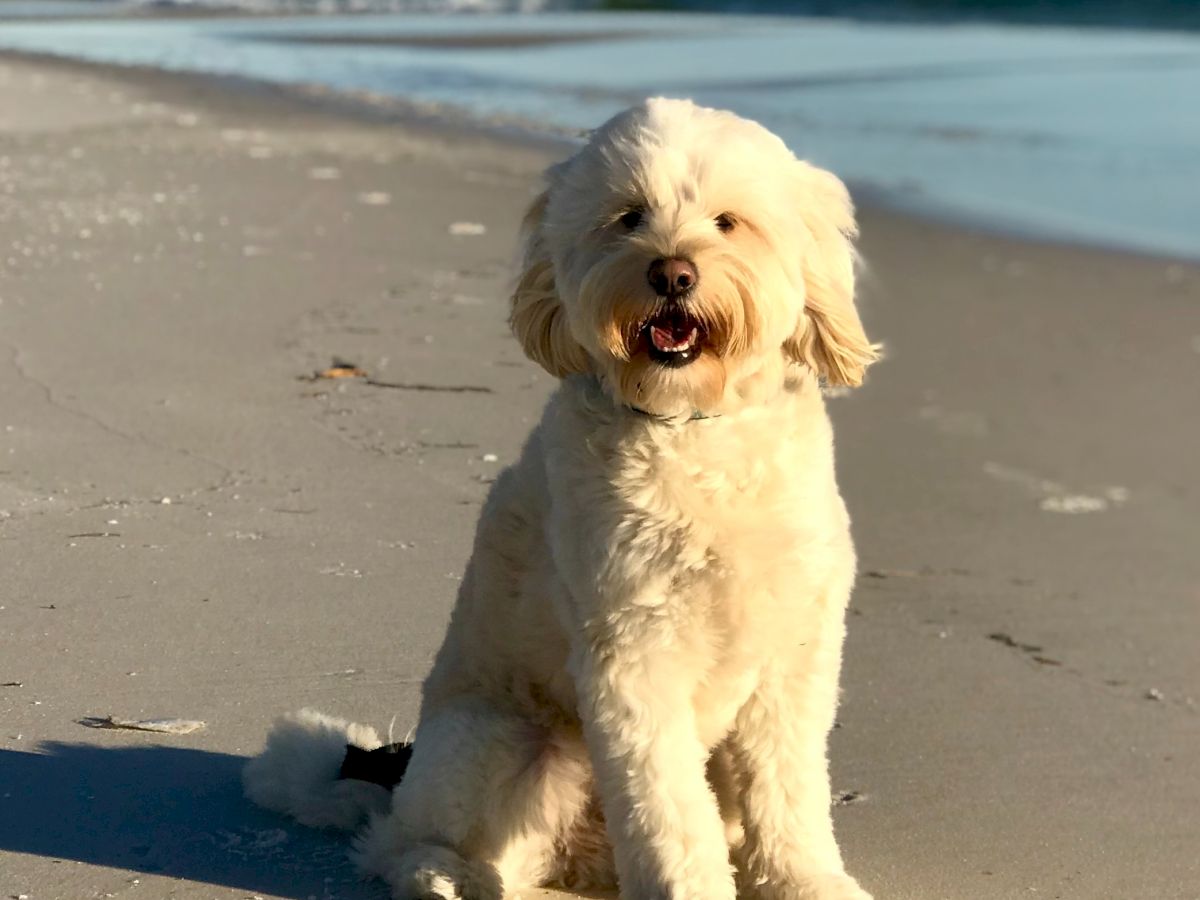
674	337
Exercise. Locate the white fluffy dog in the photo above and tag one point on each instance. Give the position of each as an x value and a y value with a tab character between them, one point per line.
641	670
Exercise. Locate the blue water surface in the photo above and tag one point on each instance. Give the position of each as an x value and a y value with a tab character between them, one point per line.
1082	135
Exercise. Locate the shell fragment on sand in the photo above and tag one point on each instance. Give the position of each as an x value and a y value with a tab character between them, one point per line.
159	726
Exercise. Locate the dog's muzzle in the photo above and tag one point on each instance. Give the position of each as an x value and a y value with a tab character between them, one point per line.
673	336
672	278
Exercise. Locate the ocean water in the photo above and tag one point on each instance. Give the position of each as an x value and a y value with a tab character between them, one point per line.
41	9
1088	135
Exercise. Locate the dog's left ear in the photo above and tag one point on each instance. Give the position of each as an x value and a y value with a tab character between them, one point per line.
829	337
537	316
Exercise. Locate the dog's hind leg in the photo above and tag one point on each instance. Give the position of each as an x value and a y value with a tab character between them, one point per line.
483	808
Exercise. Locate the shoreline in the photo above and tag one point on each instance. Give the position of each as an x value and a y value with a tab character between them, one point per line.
446	121
193	527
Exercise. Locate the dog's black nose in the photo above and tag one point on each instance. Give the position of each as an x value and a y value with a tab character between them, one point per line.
672	277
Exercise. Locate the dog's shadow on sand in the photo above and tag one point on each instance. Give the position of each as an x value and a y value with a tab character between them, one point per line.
166	811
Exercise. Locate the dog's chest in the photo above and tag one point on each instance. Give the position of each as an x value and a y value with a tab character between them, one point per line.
719	524
719	527
740	502
713	549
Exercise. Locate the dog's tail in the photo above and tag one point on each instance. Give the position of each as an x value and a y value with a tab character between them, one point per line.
324	772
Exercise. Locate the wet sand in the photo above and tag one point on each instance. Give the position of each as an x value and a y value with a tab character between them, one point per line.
192	528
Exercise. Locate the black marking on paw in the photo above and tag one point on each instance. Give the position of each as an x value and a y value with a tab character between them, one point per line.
384	765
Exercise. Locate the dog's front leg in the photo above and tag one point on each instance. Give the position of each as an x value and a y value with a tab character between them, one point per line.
635	700
779	747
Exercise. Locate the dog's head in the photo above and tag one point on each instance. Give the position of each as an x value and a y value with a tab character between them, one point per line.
685	256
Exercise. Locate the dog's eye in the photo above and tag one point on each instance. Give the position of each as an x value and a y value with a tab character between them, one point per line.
725	222
632	218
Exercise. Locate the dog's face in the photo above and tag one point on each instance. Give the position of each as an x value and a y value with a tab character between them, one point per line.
686	257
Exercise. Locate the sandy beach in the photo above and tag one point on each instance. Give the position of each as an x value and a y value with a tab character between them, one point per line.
193	526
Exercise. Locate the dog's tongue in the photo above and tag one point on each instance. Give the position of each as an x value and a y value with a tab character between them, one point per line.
671	337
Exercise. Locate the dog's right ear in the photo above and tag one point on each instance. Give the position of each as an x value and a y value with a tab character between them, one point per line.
537	316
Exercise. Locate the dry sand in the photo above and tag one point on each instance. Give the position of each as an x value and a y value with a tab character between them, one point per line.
191	529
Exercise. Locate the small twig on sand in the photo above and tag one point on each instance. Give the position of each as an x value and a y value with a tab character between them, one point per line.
444	388
348	370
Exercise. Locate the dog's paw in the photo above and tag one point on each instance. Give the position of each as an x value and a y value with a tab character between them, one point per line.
436	883
430	872
833	887
428	884
824	886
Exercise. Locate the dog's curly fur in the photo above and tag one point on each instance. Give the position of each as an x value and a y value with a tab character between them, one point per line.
641	669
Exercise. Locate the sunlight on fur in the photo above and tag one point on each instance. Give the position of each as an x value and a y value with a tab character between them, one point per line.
641	671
